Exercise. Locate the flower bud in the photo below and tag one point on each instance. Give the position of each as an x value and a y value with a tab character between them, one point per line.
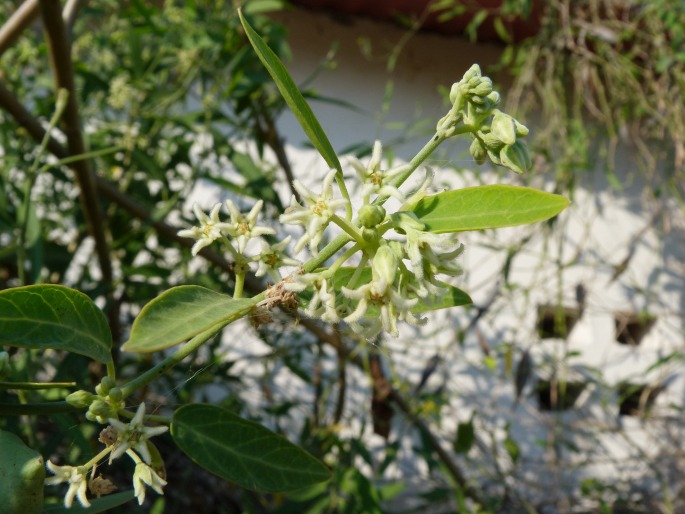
516	157
483	88
473	71
404	220
384	264
116	395
371	216
504	128
5	368
521	129
100	409
102	389
370	235
478	152
80	399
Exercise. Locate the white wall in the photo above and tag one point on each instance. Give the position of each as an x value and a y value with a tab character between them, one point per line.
589	239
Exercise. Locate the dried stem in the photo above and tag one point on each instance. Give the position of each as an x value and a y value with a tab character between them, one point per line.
15	25
394	396
62	67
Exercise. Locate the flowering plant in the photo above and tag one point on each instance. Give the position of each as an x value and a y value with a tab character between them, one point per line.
383	269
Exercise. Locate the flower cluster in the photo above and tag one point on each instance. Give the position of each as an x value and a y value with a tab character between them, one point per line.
237	233
120	438
403	273
402	264
474	102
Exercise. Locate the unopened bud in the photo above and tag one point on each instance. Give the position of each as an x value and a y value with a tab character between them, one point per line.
100	409
483	88
504	128
371	216
521	129
102	389
80	399
116	395
473	71
384	265
516	157
478	152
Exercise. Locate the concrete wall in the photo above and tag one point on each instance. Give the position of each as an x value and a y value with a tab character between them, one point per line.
585	247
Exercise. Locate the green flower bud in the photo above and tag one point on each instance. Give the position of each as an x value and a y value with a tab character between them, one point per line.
90	416
404	220
384	264
478	151
371	216
483	88
521	130
5	367
491	142
516	157
116	395
370	235
100	409
102	389
473	71
80	399
504	128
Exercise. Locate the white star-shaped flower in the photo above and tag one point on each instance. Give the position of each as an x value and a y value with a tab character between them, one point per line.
134	435
144	474
244	227
210	229
315	214
77	479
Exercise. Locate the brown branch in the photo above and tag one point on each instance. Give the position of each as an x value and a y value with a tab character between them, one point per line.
71	10
15	25
398	400
60	59
25	119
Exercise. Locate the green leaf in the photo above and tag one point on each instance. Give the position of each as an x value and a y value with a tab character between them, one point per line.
243	451
466	436
292	96
454	296
51	316
483	207
22	474
103	504
181	313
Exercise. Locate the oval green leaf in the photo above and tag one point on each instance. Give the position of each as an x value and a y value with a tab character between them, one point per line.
243	451
181	313
22	476
52	316
292	96
483	207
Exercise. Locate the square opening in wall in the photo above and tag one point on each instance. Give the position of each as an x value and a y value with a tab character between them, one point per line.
632	327
637	399
558	395
556	322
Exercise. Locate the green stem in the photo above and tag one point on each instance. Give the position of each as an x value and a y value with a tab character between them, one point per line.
168	363
111	370
98	457
341	260
33	386
348	227
239	284
31	174
38	409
